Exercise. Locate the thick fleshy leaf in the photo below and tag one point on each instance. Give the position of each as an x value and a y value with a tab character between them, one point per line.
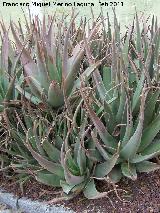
96	76
27	95
129	126
116	174
65	51
103	169
70	178
107	78
114	69
134	72
109	116
116	27
55	95
10	92
100	86
5	52
100	148
150	152
108	140
109	28
153	147
29	121
81	160
52	152
86	74
48	178
139	158
121	107
131	147
136	96
125	48
3	87
35	86
54	168
150	60
73	69
67	188
21	150
52	69
28	63
150	133
129	170
43	75
138	38
36	126
91	192
94	155
147	166
73	165
76	189
79	188
150	106
58	142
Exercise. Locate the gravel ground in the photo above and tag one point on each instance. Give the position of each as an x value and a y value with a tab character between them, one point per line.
143	195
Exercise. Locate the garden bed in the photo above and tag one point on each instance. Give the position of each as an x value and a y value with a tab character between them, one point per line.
79	111
142	195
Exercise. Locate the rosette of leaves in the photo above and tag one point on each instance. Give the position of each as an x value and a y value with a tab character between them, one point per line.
53	153
125	117
135	141
52	62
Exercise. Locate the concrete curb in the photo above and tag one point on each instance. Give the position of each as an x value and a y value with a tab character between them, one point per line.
29	206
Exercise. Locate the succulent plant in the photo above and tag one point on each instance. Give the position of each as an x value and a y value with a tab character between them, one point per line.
53	154
136	144
9	70
125	111
110	86
9	74
53	61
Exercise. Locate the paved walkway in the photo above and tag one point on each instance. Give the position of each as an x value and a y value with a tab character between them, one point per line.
5	209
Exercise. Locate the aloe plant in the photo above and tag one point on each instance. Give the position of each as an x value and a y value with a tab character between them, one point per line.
52	62
135	142
9	73
111	93
124	110
53	154
9	70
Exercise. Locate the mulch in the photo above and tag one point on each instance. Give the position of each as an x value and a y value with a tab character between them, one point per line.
141	196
